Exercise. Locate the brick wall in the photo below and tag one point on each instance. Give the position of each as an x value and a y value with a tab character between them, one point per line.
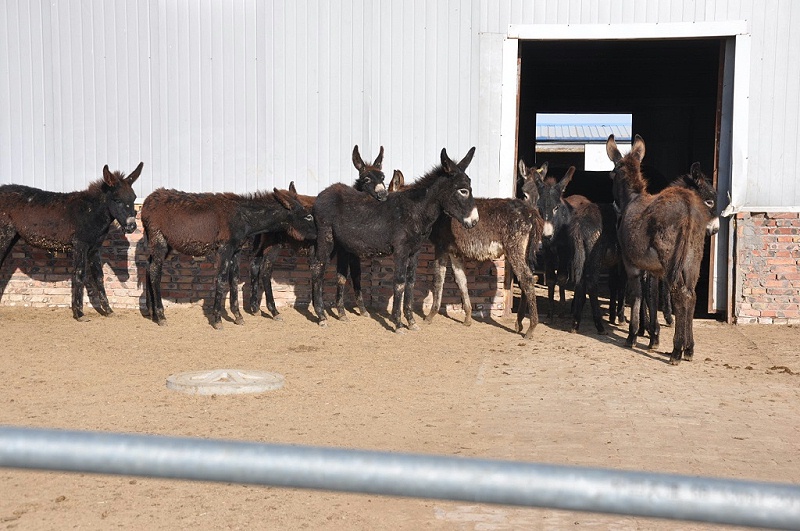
767	277
36	278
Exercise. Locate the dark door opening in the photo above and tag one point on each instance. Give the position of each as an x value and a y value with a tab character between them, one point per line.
670	87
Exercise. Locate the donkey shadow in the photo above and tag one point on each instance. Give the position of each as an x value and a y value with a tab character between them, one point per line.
48	267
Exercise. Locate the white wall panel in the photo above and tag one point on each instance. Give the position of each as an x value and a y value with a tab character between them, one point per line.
247	95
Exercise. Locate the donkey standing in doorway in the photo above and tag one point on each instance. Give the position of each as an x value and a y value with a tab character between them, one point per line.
662	234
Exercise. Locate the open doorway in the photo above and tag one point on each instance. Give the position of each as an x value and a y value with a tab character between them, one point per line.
670	87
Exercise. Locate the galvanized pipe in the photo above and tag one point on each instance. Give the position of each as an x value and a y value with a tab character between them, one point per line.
677	497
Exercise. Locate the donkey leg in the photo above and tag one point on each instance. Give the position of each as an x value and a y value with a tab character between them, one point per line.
233	287
266	280
550	278
400	274
95	267
688	344
79	258
679	303
461	281
158	252
8	237
439	271
593	281
635	285
653	327
527	284
408	298
666	299
355	278
221	279
256	266
342	270
324	247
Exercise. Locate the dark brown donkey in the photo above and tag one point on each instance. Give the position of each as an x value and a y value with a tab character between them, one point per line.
201	224
510	227
662	234
75	221
354	222
268	245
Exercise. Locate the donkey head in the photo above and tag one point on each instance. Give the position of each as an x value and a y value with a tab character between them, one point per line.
458	202
301	222
120	196
626	176
697	181
550	203
370	176
528	178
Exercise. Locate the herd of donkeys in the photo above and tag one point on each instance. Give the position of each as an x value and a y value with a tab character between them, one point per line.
643	241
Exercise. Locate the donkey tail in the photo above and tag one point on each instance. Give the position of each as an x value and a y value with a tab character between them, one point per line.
534	240
678	259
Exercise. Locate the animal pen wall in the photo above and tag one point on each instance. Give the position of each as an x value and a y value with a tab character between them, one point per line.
220	96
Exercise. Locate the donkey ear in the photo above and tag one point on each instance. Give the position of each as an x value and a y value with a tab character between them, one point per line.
135	174
562	184
285	198
638	147
447	163
292	187
523	170
379	160
397	182
467	159
109	178
612	151
541	172
697	173
357	162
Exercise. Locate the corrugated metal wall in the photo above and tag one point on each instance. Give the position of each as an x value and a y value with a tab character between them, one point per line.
246	95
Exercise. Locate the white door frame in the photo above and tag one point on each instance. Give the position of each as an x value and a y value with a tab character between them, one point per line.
732	165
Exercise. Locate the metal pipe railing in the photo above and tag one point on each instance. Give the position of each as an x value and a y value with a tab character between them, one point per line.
723	501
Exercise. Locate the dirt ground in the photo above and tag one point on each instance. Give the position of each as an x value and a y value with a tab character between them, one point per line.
451	390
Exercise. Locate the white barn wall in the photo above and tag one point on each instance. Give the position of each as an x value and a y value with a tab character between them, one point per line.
217	95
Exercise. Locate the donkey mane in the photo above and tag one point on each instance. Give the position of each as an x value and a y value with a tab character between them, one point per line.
99	186
426	181
633	172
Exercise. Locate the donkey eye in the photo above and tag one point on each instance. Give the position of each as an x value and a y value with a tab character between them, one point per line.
309	218
709	203
555	208
464	192
527	196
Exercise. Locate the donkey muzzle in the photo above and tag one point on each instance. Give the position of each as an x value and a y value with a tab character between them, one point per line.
713	226
547	230
381	192
471	220
130	225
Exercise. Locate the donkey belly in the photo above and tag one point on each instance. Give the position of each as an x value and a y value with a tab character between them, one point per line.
646	261
481	250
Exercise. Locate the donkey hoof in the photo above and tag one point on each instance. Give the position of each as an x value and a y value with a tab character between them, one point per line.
161	322
630	342
675	361
363	312
602	332
343	317
82	319
413	326
239	321
277	317
467	322
323	323
400	330
217	325
429	318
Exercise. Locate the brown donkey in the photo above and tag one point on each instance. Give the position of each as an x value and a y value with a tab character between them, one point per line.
662	234
510	227
75	221
201	224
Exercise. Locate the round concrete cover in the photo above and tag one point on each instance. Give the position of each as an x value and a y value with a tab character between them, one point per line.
224	382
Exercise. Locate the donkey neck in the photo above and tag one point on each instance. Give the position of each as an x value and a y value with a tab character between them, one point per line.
263	215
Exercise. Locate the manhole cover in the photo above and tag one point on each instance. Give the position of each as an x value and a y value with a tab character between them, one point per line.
224	382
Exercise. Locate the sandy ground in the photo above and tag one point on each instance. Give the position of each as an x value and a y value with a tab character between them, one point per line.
451	390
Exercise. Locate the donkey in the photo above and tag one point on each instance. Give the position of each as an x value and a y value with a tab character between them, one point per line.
267	246
556	211
593	231
662	234
658	295
200	224
75	221
353	221
510	227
